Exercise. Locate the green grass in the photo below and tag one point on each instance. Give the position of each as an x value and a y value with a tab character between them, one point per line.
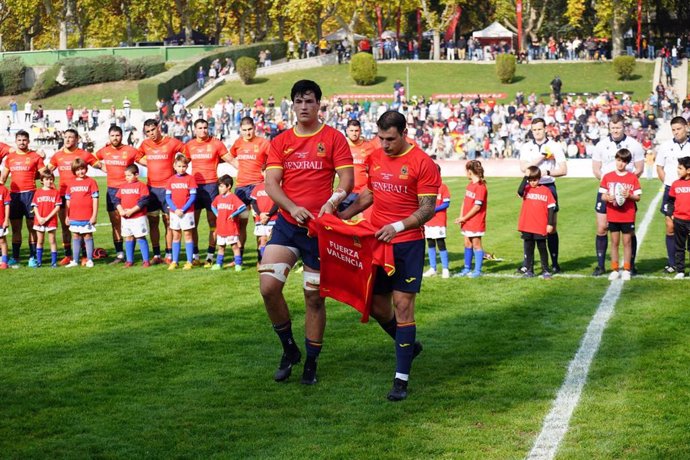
430	78
87	96
121	363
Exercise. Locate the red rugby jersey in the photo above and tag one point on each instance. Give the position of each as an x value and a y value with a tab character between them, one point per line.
475	194
360	153
680	190
23	167
4	201
80	194
180	188
625	213
251	158
62	161
45	201
129	194
205	154
440	219
116	160
227	205
534	215
159	158
263	202
4	151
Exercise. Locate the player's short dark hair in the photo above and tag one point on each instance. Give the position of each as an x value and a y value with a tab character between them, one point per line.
200	121
247	121
617	118
78	164
179	158
624	155
134	169
115	128
392	119
538	120
354	123
226	180
679	121
533	173
71	130
47	174
303	87
151	122
684	162
21	133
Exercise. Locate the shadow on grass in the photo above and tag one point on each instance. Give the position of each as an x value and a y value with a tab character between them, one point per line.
258	80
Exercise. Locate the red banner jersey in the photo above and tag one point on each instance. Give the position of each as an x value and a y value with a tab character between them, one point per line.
263	202
680	190
116	160
45	201
4	201
397	182
251	158
80	194
129	195
349	253
309	164
205	155
475	194
625	213
180	189
440	218
534	215
227	205
360	153
23	167
159	158
62	161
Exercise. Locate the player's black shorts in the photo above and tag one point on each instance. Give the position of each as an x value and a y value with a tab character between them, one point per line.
245	194
664	202
20	205
205	194
409	265
157	200
554	192
623	227
527	236
110	199
600	205
290	235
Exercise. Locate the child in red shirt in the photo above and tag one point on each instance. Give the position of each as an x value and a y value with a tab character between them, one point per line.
472	219
5	221
180	194
679	202
536	220
228	208
131	202
46	204
81	196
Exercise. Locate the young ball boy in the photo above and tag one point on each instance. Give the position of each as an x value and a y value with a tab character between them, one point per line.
679	205
81	198
131	200
5	220
228	209
265	216
435	232
620	189
46	204
180	194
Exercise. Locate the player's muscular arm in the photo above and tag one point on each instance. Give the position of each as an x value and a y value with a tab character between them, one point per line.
273	179
561	170
363	201
639	168
425	212
596	169
4	175
661	173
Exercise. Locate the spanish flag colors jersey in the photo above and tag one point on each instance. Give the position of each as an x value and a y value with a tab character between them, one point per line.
360	153
227	205
159	158
45	201
62	161
534	215
625	213
251	158
180	189
130	195
440	219
80	194
116	160
680	190
205	154
4	201
475	194
309	164
23	167
397	182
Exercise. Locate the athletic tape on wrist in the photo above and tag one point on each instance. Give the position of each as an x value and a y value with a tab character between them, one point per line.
398	226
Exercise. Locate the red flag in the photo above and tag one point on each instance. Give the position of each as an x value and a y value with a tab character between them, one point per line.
518	11
378	20
450	31
397	25
419	27
639	26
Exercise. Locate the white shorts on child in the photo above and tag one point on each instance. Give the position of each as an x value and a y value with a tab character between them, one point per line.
40	228
82	229
137	227
262	230
469	234
186	222
6	231
227	240
434	233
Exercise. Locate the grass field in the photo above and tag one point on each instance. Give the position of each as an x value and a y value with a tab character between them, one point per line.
117	363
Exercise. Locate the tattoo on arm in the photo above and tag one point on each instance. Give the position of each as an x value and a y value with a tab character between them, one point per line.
426	209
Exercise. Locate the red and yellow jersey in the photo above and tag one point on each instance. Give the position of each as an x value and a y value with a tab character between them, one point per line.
626	212
4	151
116	160
475	194
440	218
251	158
23	167
80	194
129	195
680	190
4	201
62	161
160	157
180	189
309	164
205	155
263	202
227	205
397	182
45	201
534	215
360	153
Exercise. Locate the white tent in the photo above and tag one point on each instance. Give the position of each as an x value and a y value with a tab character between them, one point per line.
341	34
495	30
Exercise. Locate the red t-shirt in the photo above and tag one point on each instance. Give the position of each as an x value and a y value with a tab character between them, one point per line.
4	151
45	201
534	215
205	155
4	201
159	158
62	161
309	164
625	213
440	219
360	153
227	205
263	202
397	182
129	195
23	167
251	159
680	190
349	253
475	194
80	195
116	161
180	189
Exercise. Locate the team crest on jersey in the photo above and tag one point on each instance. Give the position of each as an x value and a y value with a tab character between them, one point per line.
356	242
287	151
321	149
256	150
403	172
209	149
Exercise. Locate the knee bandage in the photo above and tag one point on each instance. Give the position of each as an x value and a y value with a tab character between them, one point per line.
278	271
311	281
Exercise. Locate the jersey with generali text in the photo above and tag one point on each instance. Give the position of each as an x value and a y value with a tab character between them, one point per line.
159	158
626	212
440	218
205	154
80	194
116	160
62	161
476	194
534	215
227	205
680	190
130	195
45	201
251	158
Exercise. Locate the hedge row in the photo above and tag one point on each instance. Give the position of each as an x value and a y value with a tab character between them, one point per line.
76	72
11	75
184	74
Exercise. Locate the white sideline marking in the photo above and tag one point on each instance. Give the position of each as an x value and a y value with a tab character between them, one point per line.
558	419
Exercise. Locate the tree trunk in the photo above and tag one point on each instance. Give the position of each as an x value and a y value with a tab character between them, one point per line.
616	33
437	45
63	35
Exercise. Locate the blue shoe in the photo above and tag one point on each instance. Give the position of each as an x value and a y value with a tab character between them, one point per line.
32	262
474	274
464	272
12	262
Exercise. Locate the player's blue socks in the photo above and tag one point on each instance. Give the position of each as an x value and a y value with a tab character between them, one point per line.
144	248
552	243
670	250
176	251
432	257
53	258
313	348
219	259
404	349
238	261
478	260
129	251
284	332
444	259
601	246
89	248
15	250
76	248
39	256
4	259
189	249
468	258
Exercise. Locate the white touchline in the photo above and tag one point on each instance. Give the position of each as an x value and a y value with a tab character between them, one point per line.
557	421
